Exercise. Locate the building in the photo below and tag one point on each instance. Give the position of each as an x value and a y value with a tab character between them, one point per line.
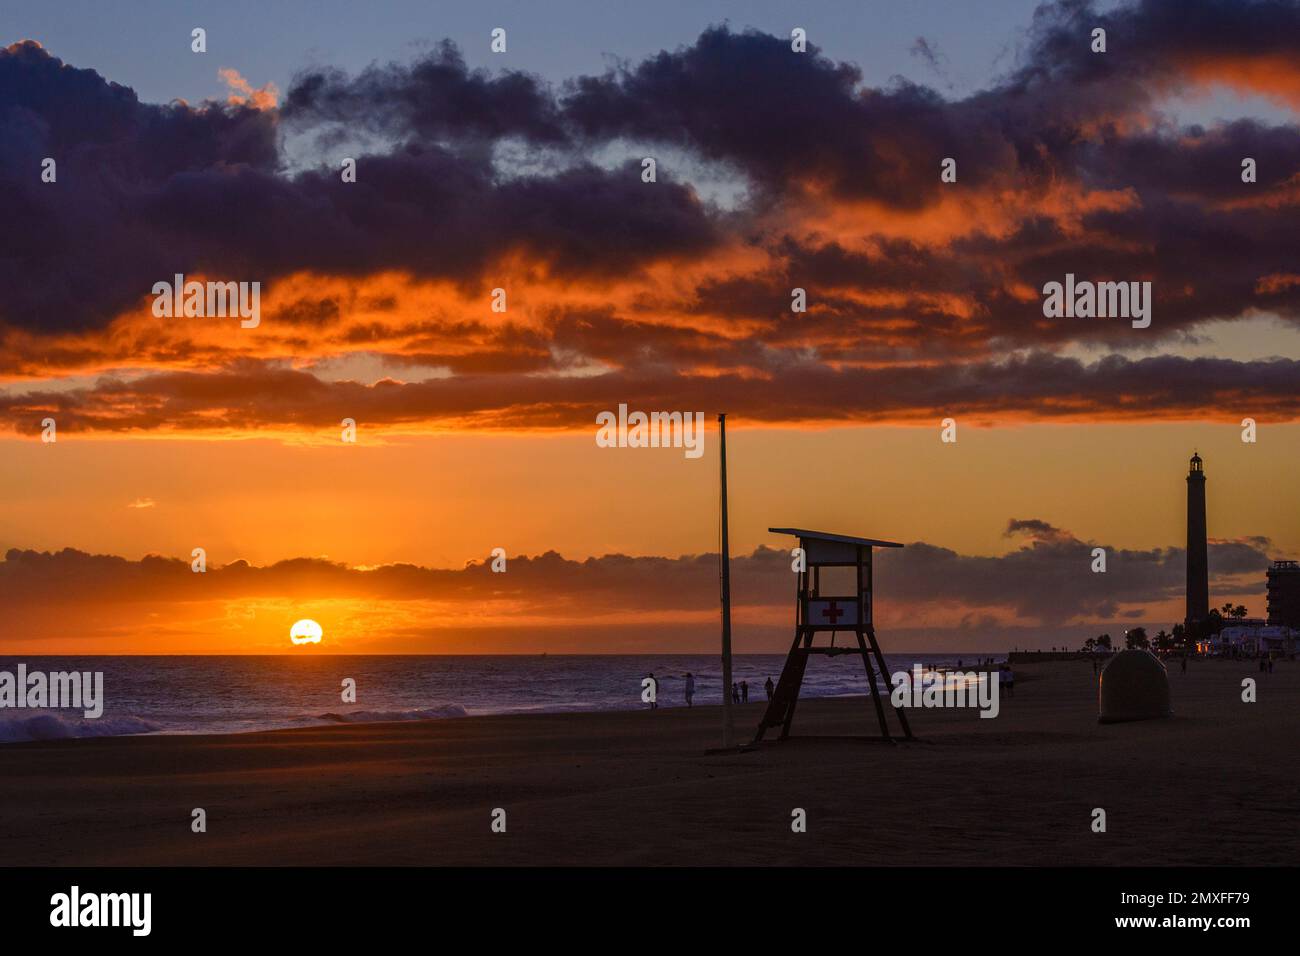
1284	594
1198	565
1253	640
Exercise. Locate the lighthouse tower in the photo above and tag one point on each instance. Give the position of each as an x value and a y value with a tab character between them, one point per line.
1198	572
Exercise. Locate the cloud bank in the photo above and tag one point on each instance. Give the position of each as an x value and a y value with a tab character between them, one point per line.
923	295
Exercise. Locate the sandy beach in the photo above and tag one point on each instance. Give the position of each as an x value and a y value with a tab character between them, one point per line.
1217	784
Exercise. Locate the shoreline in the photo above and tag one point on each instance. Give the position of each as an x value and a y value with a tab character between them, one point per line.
297	692
638	787
341	719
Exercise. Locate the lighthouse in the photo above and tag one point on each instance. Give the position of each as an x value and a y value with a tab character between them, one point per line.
1198	571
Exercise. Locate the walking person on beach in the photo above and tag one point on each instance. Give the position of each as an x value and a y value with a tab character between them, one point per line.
690	687
744	691
769	688
735	693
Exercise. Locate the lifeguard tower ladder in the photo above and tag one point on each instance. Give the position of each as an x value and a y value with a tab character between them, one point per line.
816	612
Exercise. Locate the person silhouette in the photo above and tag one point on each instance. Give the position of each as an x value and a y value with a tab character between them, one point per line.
690	687
769	688
744	691
735	693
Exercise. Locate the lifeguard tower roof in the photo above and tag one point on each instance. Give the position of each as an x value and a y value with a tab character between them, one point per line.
842	538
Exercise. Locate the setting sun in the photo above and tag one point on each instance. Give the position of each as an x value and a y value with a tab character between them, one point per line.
305	631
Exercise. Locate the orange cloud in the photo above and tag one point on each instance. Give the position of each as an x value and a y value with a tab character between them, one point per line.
242	92
1276	76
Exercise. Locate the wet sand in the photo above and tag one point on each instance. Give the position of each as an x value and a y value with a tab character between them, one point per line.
1219	783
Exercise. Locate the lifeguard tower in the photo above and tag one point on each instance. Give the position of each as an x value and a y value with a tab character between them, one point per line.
817	613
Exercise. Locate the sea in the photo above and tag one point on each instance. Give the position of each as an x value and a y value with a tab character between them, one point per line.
238	694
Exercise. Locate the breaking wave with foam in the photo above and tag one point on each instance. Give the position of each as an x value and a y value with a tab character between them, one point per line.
377	716
58	727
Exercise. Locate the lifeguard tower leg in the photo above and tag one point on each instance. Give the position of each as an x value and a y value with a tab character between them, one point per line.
780	709
795	667
880	660
875	691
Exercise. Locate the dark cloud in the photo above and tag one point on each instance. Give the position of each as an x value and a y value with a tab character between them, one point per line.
48	107
787	120
1048	580
1037	530
1150	39
74	252
145	192
251	395
1051	579
434	99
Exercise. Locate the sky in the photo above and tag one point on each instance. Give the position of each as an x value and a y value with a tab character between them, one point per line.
523	171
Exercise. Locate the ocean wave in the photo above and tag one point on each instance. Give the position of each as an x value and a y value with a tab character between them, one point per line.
374	716
57	727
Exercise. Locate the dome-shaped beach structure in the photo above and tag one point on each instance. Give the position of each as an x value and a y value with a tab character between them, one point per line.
1134	685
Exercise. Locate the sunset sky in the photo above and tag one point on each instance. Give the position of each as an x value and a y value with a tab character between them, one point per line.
522	171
